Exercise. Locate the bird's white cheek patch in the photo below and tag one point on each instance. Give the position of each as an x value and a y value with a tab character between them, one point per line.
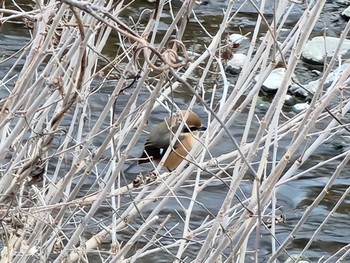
161	151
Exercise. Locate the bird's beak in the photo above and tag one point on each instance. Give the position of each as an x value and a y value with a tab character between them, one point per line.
202	128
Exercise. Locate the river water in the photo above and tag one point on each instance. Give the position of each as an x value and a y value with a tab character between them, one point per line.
293	198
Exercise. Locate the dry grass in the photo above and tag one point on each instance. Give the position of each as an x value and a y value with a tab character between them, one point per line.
53	142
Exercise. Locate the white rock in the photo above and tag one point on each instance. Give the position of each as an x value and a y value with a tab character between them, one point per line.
300	107
312	86
236	38
239	43
296	258
235	64
314	50
346	12
289	100
274	80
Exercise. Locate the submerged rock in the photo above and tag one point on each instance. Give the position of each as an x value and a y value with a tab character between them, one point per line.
317	48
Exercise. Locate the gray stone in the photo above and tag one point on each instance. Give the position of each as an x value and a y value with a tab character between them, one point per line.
237	38
299	92
235	64
274	80
346	13
289	100
314	50
300	107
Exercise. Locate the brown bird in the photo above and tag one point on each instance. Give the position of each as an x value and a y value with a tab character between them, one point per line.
161	136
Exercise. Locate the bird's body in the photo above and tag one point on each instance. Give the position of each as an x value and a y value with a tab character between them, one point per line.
161	136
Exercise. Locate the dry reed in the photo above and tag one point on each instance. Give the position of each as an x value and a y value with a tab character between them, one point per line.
53	143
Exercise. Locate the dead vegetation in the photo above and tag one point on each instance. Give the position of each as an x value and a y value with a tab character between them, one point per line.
54	143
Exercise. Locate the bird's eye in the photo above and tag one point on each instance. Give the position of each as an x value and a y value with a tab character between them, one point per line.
195	128
191	128
186	129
